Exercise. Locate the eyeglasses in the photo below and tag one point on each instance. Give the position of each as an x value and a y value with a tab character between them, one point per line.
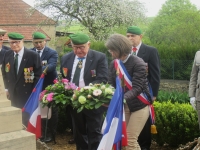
78	47
14	42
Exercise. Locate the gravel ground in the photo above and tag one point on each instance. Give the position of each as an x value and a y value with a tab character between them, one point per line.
62	144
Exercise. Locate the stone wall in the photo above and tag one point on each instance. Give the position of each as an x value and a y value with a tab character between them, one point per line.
174	85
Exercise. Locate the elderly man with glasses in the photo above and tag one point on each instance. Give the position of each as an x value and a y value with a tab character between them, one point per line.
21	70
83	66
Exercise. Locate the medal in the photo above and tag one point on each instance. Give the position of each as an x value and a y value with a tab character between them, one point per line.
65	70
80	64
26	74
7	67
44	62
93	72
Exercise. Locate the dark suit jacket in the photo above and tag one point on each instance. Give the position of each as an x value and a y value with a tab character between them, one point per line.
94	61
2	53
51	56
18	89
150	56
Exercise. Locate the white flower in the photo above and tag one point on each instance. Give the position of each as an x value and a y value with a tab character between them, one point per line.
108	91
82	99
87	87
89	96
97	92
103	87
74	96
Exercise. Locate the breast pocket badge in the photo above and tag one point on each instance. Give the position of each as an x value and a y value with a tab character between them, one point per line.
93	72
7	67
44	62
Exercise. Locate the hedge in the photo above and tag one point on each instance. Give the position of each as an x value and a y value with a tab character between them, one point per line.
176	123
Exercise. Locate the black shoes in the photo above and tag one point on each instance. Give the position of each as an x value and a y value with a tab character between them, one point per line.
47	139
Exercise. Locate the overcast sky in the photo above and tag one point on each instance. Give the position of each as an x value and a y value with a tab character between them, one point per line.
152	6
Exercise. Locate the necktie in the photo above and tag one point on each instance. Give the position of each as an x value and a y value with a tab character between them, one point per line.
16	63
134	49
77	72
39	52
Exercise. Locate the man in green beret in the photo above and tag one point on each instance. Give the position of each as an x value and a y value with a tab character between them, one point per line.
150	56
21	70
83	66
3	48
49	58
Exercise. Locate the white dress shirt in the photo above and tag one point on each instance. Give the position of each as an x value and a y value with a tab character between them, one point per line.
41	51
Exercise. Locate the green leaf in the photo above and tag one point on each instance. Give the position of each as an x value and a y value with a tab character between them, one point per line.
97	105
79	110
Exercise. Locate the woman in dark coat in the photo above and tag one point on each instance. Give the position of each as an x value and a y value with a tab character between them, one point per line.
136	111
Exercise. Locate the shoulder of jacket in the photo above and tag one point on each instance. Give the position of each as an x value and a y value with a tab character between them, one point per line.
96	52
197	58
149	47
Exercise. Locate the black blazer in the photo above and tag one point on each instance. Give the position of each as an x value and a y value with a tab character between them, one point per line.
18	89
51	57
95	61
150	56
2	53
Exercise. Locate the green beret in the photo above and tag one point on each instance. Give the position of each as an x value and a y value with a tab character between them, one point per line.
134	30
15	36
2	32
79	38
38	35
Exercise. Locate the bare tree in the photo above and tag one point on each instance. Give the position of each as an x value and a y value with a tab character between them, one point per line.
99	17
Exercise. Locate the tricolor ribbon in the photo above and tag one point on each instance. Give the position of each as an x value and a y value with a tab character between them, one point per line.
119	66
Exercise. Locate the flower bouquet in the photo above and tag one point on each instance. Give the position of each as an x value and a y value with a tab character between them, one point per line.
92	96
58	94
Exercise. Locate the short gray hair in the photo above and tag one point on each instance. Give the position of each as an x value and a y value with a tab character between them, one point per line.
119	43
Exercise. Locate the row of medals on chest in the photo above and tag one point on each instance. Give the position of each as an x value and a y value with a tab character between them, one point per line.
28	75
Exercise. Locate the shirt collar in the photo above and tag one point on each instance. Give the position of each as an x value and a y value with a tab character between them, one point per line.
78	57
138	47
41	51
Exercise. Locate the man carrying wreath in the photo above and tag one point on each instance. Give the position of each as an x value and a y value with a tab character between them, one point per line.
83	66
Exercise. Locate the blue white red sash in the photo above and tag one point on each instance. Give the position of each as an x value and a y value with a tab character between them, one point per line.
119	66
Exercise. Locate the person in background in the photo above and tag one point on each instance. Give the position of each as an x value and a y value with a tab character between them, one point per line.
194	83
21	70
3	48
83	66
150	56
136	112
49	58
